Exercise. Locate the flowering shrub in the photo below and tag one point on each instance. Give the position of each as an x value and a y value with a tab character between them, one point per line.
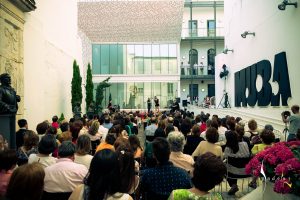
281	163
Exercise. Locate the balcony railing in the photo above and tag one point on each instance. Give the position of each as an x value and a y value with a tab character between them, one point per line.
202	32
197	70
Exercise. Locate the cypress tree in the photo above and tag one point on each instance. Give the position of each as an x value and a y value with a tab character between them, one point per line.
99	93
89	87
76	89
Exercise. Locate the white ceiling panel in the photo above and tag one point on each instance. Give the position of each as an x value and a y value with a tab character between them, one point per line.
131	21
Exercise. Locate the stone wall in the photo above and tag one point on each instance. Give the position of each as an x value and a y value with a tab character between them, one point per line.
11	47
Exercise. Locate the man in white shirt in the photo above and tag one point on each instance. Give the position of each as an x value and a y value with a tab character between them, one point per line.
102	130
65	175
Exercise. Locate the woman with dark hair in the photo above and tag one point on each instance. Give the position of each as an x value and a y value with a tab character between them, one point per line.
103	179
83	148
31	140
209	171
26	182
8	161
237	155
75	129
212	137
128	168
186	126
136	146
193	140
46	146
41	129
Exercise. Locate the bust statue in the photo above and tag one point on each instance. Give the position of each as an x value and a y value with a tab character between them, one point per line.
8	96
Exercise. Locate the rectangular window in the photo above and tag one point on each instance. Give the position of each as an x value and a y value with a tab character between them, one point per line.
193	28
104	58
211	28
96	59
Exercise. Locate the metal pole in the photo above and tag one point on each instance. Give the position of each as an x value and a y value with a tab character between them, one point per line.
190	56
215	35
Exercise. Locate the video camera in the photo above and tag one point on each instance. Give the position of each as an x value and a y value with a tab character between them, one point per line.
285	114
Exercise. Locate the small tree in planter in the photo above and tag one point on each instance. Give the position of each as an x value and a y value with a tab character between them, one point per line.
89	87
76	89
99	93
61	118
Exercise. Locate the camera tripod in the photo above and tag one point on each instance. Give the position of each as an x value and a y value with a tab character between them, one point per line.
226	102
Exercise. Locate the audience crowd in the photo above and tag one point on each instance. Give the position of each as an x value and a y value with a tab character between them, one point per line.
183	156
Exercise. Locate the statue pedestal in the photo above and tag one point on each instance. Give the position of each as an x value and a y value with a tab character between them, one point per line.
8	129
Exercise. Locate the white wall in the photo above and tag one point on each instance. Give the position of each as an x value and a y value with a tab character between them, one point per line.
51	43
276	31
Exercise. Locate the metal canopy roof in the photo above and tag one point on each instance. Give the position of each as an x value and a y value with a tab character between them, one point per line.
131	21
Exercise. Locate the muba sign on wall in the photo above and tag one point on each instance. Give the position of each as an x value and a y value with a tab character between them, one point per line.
246	79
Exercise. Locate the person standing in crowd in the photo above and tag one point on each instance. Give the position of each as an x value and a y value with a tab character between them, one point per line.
156	102
294	121
20	133
149	105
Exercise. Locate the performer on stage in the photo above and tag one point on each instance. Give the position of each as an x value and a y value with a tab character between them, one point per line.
156	102
175	106
149	105
110	108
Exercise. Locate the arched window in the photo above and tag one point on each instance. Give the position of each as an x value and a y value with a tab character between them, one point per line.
211	53
193	55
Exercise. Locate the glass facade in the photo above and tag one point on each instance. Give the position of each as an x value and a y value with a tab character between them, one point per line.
134	59
134	95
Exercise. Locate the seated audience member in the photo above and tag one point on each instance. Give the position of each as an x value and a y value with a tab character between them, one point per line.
158	182
64	126
150	130
177	140
136	146
83	148
128	168
64	175
102	130
170	128
240	130
84	129
46	146
8	161
3	143
252	133
20	133
212	137
237	155
108	143
107	123
267	138
94	135
193	140
41	129
75	129
26	182
64	136
55	122
186	126
209	171
31	140
103	179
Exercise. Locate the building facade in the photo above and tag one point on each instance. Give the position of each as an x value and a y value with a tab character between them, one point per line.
201	39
